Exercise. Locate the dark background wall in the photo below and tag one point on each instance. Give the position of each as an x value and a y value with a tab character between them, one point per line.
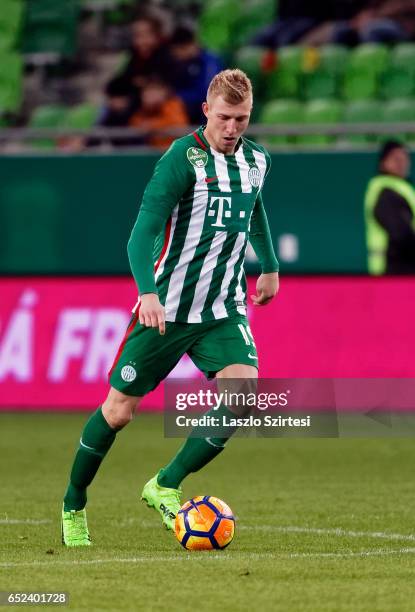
74	214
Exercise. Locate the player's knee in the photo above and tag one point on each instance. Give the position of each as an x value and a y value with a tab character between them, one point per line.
118	409
239	391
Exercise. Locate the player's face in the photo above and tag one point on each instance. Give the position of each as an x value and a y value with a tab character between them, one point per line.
226	123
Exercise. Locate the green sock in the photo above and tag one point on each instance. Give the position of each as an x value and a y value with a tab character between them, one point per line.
96	440
194	454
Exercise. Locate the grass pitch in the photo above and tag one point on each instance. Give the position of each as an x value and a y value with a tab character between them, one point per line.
321	524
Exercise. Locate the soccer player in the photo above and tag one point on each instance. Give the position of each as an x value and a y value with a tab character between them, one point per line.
200	208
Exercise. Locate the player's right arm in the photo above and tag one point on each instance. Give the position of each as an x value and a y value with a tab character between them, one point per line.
170	180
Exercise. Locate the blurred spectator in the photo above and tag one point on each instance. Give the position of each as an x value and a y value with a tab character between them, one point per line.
121	102
347	22
194	68
294	19
159	108
390	213
149	55
385	21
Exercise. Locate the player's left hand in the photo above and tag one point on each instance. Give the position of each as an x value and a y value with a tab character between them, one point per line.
266	288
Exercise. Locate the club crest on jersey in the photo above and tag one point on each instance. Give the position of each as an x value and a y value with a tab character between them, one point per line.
128	373
254	176
197	157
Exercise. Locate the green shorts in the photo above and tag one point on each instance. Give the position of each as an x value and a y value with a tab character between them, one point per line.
145	357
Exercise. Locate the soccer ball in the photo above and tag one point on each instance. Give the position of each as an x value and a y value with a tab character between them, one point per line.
205	523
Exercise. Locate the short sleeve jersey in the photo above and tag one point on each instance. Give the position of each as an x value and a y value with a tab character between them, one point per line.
207	199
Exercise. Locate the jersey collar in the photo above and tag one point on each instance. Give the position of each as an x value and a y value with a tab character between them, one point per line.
203	143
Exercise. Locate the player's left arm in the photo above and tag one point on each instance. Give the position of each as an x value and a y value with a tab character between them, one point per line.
260	237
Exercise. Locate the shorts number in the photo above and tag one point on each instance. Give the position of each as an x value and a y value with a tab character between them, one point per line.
247	334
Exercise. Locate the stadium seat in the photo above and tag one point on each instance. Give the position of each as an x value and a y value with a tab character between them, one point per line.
321	72
80	117
114	12
281	112
403	57
334	59
318	84
367	63
400	110
217	23
397	83
253	15
284	80
249	59
290	58
362	111
370	58
11	12
10	82
51	27
48	116
359	85
321	111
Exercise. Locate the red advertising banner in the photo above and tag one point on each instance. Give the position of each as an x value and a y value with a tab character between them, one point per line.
58	337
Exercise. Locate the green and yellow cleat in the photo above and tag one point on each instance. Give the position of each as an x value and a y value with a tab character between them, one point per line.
166	501
75	528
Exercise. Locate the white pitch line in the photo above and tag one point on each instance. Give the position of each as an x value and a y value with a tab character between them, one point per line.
24	521
210	557
361	553
335	531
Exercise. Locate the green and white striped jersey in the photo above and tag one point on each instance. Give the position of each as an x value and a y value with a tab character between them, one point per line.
207	199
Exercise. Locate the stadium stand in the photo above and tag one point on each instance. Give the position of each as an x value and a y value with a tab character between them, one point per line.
300	85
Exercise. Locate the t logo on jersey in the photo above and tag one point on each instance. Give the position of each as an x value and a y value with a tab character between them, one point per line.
217	208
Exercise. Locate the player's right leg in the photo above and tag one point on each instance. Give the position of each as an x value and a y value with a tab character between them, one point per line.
145	360
97	438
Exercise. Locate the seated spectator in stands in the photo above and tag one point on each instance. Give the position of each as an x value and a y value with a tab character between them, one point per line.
149	55
121	103
122	100
347	22
294	19
159	108
384	21
193	69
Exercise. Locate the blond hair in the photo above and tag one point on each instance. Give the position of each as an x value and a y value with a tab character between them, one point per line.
232	84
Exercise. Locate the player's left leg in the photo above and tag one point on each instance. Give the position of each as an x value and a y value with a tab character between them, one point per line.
198	451
236	342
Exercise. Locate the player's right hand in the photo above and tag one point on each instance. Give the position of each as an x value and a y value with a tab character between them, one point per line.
151	313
